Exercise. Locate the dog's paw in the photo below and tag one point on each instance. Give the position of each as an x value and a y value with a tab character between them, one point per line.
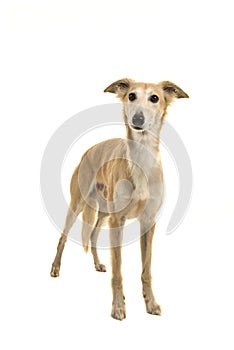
100	267
54	271
153	308
118	312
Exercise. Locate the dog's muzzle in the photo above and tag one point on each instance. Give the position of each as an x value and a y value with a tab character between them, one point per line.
138	121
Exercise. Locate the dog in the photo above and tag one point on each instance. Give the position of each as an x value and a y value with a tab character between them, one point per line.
122	179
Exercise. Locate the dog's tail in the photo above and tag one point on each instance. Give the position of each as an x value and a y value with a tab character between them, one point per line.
89	217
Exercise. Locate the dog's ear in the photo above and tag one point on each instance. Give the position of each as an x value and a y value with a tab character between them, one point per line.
119	87
172	91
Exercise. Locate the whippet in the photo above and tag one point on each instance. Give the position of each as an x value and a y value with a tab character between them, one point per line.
121	179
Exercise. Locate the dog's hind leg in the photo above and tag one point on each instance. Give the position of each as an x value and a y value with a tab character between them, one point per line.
73	211
94	237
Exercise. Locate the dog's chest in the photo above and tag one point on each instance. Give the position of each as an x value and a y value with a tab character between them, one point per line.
145	170
146	182
147	193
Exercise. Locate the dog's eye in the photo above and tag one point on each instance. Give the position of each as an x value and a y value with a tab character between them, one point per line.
132	96
154	98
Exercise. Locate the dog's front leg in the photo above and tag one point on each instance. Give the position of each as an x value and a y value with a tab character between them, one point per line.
116	233
147	232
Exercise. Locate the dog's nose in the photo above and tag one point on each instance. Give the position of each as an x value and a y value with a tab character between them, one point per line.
138	119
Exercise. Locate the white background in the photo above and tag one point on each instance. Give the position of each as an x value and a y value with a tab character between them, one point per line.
56	59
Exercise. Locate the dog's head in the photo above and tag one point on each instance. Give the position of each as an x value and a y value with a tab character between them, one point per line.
145	105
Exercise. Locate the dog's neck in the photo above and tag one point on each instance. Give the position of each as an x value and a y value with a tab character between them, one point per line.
149	139
144	159
143	153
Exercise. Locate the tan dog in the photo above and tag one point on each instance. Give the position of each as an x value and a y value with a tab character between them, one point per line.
121	179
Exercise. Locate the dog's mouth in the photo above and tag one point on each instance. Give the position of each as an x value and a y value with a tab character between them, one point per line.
137	128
